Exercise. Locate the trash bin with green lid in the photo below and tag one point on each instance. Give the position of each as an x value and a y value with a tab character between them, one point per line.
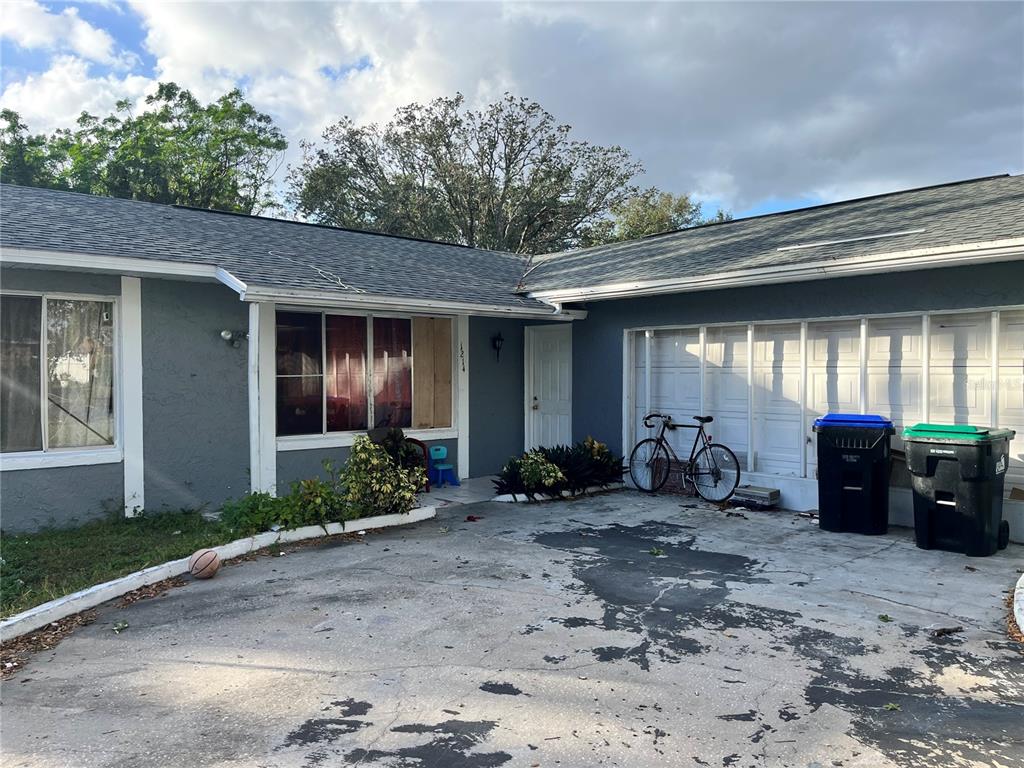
957	473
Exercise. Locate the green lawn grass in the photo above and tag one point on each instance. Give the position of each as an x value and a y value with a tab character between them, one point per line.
47	564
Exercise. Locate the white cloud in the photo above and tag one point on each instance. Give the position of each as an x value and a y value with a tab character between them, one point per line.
55	98
30	25
737	102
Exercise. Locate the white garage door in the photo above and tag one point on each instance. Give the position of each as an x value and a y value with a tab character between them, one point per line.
765	395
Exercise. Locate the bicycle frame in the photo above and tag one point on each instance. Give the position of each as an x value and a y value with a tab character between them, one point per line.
701	439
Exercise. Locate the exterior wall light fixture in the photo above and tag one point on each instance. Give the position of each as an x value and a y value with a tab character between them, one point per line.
234	338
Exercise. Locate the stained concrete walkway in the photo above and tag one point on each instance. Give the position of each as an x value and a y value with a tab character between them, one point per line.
618	630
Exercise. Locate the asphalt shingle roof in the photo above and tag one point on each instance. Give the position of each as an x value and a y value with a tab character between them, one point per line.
276	254
965	212
262	252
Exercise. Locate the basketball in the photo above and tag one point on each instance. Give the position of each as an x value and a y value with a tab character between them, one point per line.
204	564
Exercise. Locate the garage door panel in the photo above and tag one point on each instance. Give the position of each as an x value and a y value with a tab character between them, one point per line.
1011	338
675	348
833	344
675	389
726	390
960	396
834	391
778	345
777	391
895	394
1011	416
895	342
778	440
960	339
726	347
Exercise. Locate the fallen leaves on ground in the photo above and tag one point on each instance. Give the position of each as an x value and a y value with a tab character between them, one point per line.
14	653
159	589
1012	629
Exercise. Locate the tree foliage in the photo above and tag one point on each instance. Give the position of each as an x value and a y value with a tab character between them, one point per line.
506	177
177	150
650	212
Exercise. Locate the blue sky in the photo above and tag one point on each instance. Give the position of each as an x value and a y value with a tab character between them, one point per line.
755	107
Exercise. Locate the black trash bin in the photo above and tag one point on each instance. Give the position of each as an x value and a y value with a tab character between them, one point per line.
957	473
853	472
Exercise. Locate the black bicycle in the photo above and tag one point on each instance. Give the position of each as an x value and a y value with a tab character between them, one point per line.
712	468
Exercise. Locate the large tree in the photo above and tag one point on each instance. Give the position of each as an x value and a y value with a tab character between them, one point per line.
177	150
507	177
651	212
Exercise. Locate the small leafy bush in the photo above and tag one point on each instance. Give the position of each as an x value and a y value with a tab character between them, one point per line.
368	484
538	471
402	452
549	471
374	485
252	514
315	501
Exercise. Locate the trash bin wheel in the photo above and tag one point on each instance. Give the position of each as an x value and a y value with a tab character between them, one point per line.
1004	534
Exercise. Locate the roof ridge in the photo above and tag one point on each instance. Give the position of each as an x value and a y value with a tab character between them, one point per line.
197	209
333	227
834	203
580	251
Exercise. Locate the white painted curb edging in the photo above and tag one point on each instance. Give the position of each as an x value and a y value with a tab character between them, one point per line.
1018	603
510	498
65	606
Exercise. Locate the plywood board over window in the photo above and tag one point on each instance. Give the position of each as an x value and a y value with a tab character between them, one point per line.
432	372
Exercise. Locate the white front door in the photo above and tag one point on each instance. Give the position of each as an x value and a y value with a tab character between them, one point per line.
548	385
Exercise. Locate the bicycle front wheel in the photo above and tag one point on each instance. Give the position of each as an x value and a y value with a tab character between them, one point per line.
715	473
648	465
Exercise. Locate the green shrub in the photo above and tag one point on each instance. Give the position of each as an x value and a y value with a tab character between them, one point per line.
374	485
368	484
549	471
252	514
315	501
402	452
539	473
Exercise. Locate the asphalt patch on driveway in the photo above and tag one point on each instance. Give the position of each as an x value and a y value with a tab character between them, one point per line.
450	745
672	600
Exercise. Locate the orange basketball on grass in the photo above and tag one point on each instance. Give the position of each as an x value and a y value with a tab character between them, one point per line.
204	564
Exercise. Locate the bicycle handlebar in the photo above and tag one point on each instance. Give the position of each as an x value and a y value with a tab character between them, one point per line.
666	419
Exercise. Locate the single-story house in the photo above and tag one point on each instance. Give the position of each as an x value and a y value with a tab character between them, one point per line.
159	356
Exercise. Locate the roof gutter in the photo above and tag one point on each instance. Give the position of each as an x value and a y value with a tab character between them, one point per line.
31	257
130	265
1008	249
295	297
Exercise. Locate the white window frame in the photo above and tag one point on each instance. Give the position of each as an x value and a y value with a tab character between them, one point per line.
79	456
345	439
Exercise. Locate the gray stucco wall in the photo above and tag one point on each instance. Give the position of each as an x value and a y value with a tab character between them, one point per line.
195	395
293	466
597	341
496	428
60	496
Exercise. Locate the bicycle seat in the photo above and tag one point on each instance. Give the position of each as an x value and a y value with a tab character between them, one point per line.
703	419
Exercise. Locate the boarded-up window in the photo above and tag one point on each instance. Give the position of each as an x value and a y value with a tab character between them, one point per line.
432	372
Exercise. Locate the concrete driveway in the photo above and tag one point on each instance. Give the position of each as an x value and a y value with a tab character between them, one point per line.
617	630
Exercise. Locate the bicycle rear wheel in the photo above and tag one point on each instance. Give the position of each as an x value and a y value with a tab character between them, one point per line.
715	473
648	465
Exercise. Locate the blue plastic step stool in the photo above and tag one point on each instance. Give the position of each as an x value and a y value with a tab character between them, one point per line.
440	470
